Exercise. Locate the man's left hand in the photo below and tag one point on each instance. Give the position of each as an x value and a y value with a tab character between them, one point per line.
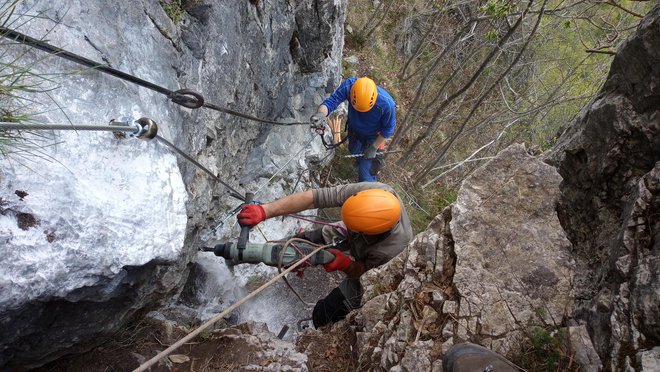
316	120
370	152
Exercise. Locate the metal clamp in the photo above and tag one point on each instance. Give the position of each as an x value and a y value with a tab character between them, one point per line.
145	129
187	98
320	125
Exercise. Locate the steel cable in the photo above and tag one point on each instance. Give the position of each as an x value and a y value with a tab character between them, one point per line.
184	97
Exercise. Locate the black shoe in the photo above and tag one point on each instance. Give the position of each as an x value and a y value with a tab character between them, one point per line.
467	357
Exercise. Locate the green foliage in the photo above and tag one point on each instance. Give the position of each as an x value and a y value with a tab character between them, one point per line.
19	84
423	205
545	350
551	81
174	9
498	8
492	36
548	144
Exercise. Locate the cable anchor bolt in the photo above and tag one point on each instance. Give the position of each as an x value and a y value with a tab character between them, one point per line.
145	129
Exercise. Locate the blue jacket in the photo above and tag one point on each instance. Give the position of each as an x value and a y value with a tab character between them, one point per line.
380	119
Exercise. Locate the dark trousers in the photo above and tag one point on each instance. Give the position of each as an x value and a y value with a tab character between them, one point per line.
338	303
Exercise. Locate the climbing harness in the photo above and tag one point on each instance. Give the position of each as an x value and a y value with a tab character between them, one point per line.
184	97
329	146
316	221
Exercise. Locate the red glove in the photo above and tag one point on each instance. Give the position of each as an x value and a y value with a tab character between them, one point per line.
341	261
251	215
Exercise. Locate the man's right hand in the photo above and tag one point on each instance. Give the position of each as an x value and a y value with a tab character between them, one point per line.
341	261
251	215
317	119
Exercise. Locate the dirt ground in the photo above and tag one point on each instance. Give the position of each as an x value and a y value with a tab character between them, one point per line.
329	350
326	350
219	349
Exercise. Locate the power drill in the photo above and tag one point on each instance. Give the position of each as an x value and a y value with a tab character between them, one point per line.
269	253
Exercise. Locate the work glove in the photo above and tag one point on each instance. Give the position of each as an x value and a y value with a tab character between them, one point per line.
251	215
370	152
317	119
377	165
341	261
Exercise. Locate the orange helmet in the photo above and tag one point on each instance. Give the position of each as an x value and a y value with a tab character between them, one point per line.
363	94
371	212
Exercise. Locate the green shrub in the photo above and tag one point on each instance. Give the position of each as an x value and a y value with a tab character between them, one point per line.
174	9
544	349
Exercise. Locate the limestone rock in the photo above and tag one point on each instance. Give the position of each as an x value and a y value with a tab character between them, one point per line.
497	256
238	55
583	349
649	360
609	160
513	265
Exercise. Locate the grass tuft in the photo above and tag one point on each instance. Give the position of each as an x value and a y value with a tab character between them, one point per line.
174	9
22	87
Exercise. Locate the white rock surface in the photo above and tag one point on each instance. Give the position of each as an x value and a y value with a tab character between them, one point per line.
104	203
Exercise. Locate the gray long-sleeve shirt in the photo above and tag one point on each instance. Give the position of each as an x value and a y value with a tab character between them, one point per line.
372	250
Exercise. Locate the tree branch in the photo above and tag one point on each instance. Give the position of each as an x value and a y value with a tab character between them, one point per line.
600	51
434	121
431	164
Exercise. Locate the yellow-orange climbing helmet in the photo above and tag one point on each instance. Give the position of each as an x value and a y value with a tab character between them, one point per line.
371	212
363	94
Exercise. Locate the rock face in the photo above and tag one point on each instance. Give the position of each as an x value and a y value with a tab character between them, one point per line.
528	244
513	265
255	57
610	197
485	269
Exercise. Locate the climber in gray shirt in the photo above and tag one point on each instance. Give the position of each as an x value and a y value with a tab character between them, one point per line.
374	229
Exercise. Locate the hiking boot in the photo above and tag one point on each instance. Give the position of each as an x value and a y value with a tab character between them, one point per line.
467	357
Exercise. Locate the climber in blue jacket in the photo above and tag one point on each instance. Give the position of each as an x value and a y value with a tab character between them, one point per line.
371	120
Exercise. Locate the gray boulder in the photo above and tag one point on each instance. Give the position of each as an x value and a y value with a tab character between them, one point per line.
484	270
513	263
